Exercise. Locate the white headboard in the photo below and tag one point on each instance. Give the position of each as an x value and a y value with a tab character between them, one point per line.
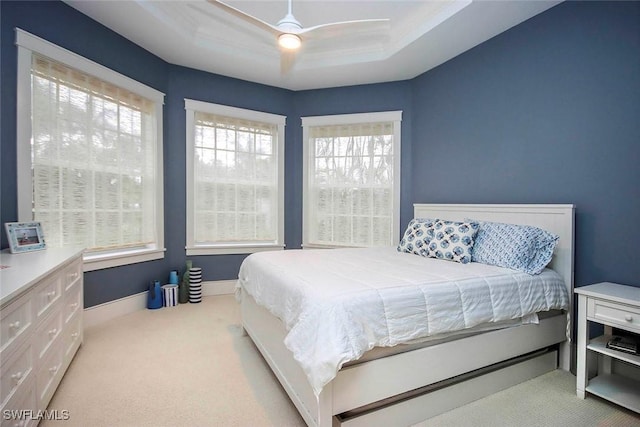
557	219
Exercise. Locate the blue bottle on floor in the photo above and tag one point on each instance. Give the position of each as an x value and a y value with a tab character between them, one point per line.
154	299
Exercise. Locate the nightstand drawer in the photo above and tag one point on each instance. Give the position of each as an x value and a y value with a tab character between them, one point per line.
614	314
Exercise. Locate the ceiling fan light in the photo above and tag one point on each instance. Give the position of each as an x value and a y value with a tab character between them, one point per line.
289	41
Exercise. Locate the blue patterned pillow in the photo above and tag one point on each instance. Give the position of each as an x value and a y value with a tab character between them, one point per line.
519	247
417	236
452	240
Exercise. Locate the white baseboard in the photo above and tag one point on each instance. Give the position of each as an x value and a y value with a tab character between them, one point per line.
218	287
110	310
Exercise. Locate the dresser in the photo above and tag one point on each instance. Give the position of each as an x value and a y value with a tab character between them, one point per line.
614	306
41	305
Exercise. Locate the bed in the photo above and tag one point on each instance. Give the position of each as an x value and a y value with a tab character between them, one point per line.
404	382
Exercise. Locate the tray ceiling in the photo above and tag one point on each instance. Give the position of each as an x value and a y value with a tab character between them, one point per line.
420	35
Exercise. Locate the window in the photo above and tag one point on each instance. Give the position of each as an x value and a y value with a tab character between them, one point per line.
90	158
235	179
351	180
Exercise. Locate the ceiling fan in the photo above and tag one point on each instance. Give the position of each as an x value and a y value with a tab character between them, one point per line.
290	34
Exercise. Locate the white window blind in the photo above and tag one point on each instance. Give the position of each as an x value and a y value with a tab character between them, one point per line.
237	189
351	192
94	160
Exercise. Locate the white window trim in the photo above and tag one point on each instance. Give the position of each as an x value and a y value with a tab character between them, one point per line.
28	44
191	106
339	119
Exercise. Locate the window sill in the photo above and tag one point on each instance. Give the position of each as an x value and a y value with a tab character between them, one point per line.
116	259
231	250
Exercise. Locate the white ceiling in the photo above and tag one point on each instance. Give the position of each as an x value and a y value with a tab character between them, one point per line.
420	35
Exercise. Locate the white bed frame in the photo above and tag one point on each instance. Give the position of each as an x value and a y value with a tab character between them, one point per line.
434	379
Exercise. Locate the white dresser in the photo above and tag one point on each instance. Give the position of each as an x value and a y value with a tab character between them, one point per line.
41	305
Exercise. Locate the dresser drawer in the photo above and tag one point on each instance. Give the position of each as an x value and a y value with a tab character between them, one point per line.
21	410
40	329
15	371
47	333
614	314
72	336
73	301
49	374
71	275
16	320
47	295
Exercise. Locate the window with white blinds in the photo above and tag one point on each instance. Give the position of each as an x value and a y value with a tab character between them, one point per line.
352	181
234	180
94	164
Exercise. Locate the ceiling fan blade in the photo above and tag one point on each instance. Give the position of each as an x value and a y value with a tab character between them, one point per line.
338	29
246	17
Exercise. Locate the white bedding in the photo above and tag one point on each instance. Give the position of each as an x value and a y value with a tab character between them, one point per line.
336	304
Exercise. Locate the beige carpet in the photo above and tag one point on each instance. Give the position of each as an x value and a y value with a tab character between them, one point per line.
189	366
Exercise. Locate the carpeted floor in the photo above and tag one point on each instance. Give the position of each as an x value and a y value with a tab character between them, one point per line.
190	366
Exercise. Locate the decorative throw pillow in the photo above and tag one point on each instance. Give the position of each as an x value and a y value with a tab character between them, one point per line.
452	240
519	247
417	236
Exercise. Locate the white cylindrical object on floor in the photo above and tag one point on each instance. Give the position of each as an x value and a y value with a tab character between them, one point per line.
170	293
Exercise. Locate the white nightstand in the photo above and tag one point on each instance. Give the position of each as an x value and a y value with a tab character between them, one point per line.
611	305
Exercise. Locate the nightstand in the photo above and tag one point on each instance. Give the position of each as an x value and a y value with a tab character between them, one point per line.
614	306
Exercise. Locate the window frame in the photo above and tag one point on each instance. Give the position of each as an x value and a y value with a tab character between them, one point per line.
28	44
191	106
351	119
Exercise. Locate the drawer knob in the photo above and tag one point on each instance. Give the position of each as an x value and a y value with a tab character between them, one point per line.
17	377
15	325
53	331
53	369
628	318
74	335
74	305
51	294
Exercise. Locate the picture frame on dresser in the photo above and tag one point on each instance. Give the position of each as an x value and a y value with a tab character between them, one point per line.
25	236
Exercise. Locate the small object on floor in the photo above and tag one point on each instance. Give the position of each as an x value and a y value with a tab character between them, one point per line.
154	299
184	284
173	277
195	285
170	295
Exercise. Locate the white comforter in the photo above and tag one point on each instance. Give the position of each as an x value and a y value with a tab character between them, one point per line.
336	304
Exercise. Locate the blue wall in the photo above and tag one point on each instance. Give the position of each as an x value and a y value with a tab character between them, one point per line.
547	112
544	113
60	24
